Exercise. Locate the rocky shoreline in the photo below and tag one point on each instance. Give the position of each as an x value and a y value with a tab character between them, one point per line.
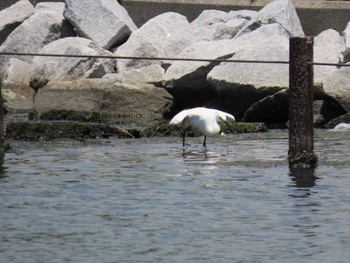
78	126
143	92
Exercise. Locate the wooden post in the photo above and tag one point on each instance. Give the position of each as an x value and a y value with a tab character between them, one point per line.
1	119
2	132
301	144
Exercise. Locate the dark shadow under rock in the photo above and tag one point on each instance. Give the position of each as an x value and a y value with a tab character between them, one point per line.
271	109
342	119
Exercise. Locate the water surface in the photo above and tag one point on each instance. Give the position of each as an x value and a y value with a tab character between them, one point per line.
148	200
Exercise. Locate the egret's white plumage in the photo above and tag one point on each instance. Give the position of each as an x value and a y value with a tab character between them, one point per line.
205	120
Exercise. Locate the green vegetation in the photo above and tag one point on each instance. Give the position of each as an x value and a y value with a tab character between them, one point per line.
46	131
70	115
244	127
162	128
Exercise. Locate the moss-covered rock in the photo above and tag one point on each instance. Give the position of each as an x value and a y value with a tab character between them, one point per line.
46	131
137	104
163	129
71	115
244	127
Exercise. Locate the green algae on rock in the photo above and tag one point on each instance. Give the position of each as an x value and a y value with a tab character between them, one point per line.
71	115
46	131
162	129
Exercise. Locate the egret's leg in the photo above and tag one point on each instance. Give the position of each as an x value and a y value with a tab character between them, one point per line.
183	138
205	141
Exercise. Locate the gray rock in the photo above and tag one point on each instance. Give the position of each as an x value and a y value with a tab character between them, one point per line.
274	109
278	11
162	36
13	16
115	101
328	48
45	69
104	21
152	74
50	7
239	85
16	71
218	25
258	46
15	85
170	33
199	50
43	27
337	86
187	80
346	39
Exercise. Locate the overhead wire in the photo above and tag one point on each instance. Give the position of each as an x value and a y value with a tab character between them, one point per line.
166	58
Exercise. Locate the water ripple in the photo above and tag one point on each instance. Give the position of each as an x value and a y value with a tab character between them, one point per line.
152	201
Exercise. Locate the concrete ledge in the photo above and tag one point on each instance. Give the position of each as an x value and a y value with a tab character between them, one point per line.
315	15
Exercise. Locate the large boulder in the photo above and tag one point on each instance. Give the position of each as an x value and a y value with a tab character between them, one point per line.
150	75
13	16
346	39
15	86
44	26
337	86
187	81
17	72
239	85
45	69
214	25
114	101
278	11
328	48
104	21
162	36
170	33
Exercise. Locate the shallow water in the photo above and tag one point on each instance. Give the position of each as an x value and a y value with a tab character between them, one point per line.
147	200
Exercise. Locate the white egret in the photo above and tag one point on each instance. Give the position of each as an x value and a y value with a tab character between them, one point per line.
204	120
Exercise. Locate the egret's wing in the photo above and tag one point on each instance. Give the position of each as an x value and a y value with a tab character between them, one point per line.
178	118
203	121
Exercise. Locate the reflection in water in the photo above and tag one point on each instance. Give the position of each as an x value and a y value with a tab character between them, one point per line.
2	173
303	177
148	201
195	154
306	207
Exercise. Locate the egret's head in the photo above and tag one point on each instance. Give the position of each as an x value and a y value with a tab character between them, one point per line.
225	118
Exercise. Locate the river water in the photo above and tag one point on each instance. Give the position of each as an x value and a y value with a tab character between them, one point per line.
148	200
